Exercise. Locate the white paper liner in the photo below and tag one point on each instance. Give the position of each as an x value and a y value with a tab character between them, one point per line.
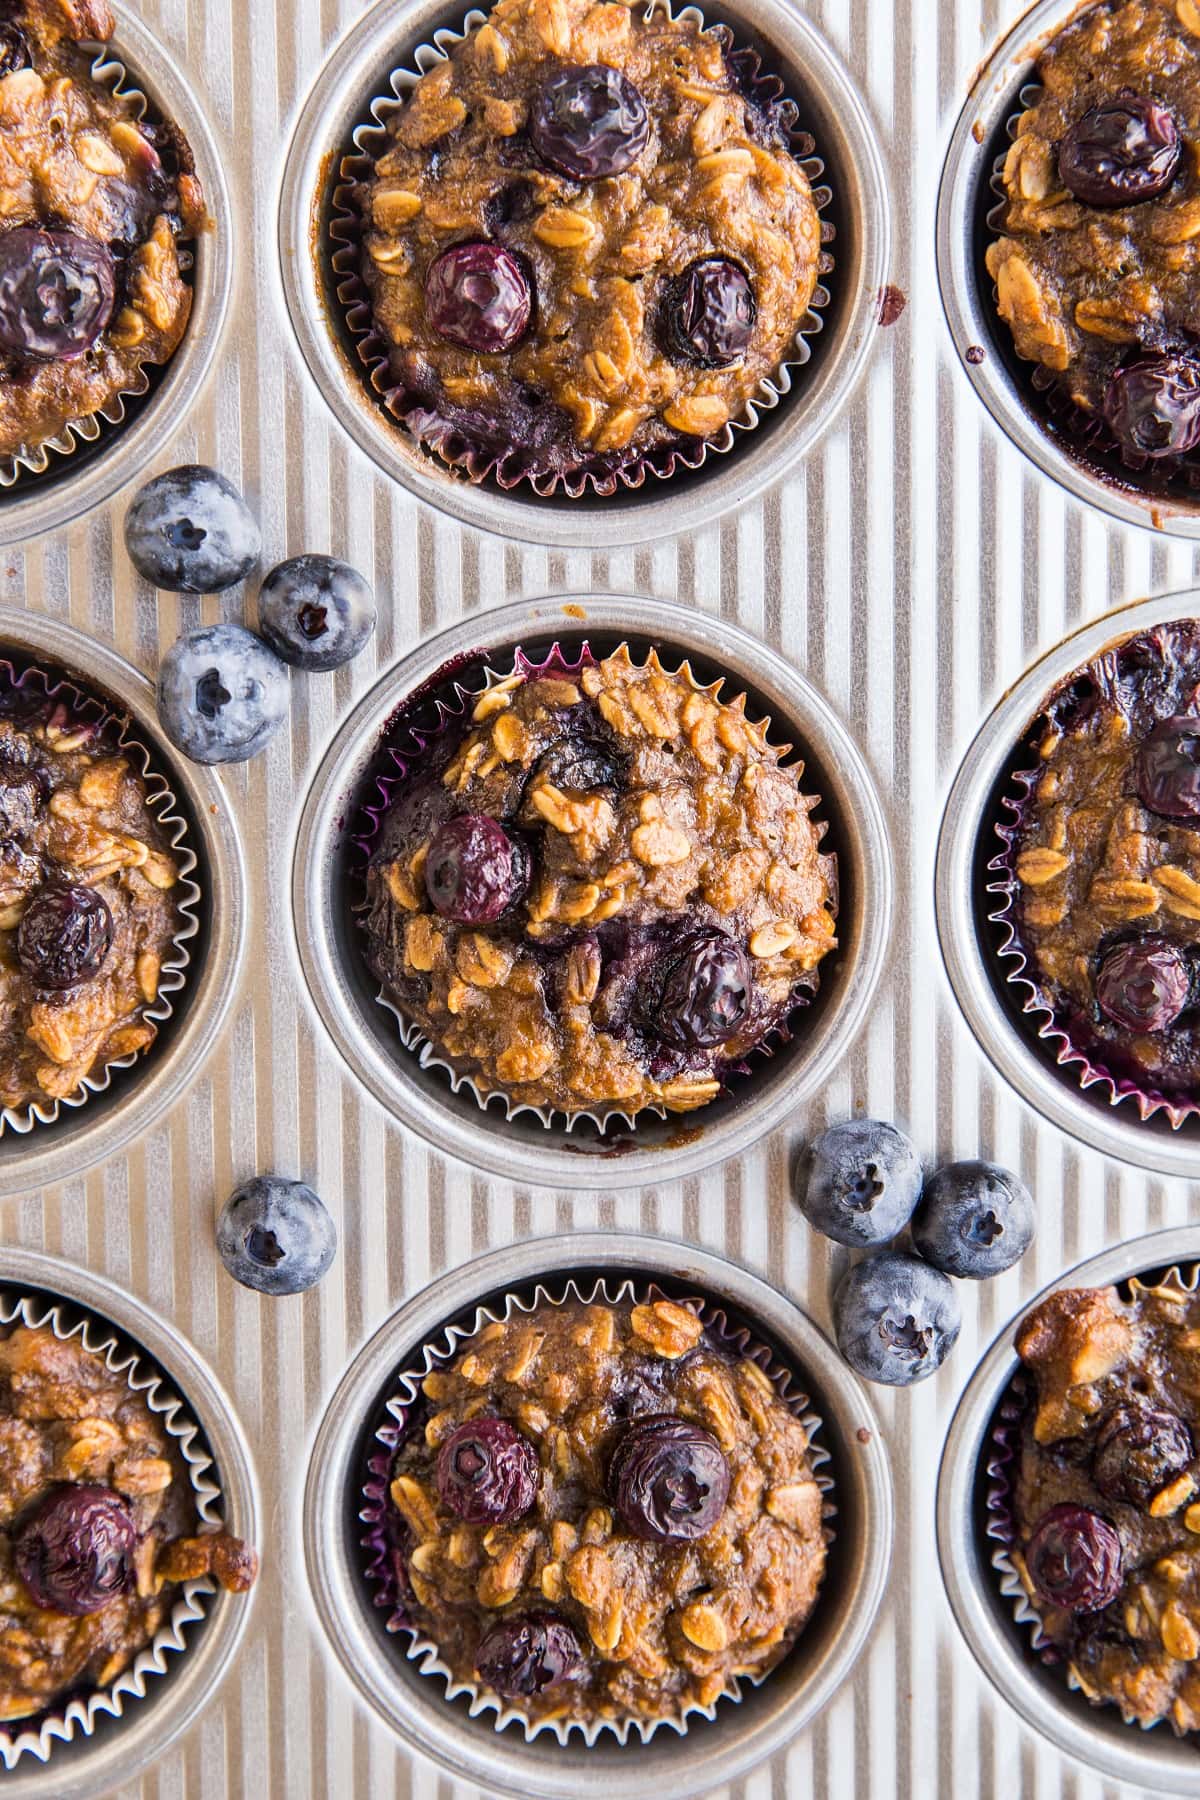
107	71
81	1713
370	139
428	1055
423	1652
162	802
1000	1527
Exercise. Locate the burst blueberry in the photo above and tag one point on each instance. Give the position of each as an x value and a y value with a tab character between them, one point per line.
487	1473
668	1479
478	295
1120	153
75	1551
1143	984
64	937
896	1319
522	1657
860	1182
316	612
975	1220
190	531
1074	1559
57	291
1140	1449
579	765
708	313
276	1236
1167	769
14	50
589	121
474	870
699	993
1152	404
222	694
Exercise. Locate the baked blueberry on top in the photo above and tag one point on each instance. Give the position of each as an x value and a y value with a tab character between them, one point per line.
588	241
603	1510
96	203
1105	1490
602	889
1105	860
1093	266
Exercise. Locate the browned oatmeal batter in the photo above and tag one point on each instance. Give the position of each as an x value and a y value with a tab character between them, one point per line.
595	373
641	1626
66	1419
1110	1442
75	158
658	905
73	809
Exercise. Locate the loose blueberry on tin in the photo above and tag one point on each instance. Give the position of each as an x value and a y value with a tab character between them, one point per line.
474	870
64	936
708	313
478	295
589	121
1143	984
524	1656
222	695
1120	153
975	1220
896	1319
189	531
316	612
75	1551
863	1182
1139	1450
56	292
700	993
276	1236
1152	404
1074	1559
668	1479
487	1473
1167	769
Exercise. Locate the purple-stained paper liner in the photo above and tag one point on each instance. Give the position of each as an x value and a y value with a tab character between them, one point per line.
442	704
77	1715
36	459
601	474
1002	1452
95	719
380	1567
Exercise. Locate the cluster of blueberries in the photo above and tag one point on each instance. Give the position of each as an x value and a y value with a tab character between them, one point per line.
223	690
896	1314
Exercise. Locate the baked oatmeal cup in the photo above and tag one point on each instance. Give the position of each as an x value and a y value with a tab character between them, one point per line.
597	1510
97	202
598	888
586	246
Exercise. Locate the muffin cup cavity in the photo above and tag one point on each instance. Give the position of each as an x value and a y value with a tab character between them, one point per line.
478	463
378	1567
77	1716
106	725
408	743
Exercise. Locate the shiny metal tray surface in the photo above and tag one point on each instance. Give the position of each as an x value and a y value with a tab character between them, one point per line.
911	566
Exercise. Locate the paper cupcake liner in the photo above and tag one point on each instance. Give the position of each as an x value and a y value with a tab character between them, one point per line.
1002	1453
380	1565
1047	1019
77	1715
601	474
411	735
36	459
98	720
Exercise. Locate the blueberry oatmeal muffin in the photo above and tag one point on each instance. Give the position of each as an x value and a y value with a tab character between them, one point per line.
97	1523
588	241
1104	863
603	1511
94	205
89	903
605	889
1105	1493
1095	267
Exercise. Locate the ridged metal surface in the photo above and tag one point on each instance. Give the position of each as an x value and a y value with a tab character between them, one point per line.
911	568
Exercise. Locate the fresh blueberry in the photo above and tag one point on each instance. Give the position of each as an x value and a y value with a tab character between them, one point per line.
863	1181
697	995
190	531
487	1473
708	313
1139	1449
64	936
478	295
316	612
475	871
896	1319
1120	153
57	290
222	695
1074	1559
1167	769
1152	404
589	121
668	1479
975	1220
522	1657
75	1551
276	1236
1143	984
